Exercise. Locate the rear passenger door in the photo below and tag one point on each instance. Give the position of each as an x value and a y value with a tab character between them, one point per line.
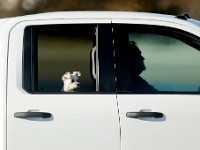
158	84
40	115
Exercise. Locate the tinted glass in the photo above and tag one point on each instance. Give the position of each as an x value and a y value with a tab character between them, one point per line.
170	64
61	51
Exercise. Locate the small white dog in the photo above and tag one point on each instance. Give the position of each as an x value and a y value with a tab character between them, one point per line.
71	81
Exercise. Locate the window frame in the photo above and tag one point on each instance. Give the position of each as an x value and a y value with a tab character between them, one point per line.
181	35
106	72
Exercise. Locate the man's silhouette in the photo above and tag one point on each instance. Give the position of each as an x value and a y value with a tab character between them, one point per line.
137	67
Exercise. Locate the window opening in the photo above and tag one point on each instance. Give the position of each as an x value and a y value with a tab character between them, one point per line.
57	55
155	60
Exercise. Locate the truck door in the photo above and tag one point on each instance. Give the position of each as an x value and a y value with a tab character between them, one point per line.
158	84
40	115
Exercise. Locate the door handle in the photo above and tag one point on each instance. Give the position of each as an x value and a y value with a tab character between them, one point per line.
32	115
144	114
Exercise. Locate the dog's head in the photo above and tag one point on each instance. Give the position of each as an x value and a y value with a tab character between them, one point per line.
71	81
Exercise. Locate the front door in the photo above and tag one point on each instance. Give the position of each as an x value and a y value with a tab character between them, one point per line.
158	83
41	113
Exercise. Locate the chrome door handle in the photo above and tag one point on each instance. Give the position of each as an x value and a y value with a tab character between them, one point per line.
144	114
32	115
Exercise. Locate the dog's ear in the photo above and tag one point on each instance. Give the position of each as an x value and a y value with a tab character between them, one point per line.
79	74
76	73
67	75
63	77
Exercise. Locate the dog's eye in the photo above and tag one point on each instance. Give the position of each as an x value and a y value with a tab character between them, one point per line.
72	80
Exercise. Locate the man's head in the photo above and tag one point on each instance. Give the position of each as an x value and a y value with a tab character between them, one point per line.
137	60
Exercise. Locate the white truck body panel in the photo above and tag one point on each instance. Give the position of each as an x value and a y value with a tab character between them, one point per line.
66	124
134	134
177	127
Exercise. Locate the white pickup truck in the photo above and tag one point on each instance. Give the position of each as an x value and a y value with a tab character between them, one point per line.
138	87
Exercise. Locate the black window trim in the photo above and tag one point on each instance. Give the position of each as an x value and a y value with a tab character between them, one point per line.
106	67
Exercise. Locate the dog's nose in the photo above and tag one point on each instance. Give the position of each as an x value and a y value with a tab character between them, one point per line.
78	84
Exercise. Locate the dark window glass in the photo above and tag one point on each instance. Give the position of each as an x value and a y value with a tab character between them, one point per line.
154	60
60	58
165	63
61	51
